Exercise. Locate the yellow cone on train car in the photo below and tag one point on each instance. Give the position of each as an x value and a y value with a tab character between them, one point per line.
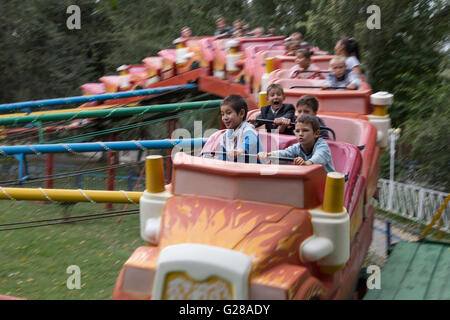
123	70
329	246
182	54
233	57
153	199
380	117
154	174
333	199
262	101
269	69
380	102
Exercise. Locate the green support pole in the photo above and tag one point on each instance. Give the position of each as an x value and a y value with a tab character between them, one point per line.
106	113
40	132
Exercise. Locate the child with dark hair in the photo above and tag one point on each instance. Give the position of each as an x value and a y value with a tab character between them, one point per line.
241	137
186	32
282	114
222	31
291	48
303	68
310	149
239	28
296	37
238	33
310	105
237	24
349	49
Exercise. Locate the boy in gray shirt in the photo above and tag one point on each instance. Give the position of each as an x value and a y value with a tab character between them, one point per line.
310	149
341	77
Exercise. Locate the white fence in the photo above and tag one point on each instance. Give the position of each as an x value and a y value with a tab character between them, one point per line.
413	202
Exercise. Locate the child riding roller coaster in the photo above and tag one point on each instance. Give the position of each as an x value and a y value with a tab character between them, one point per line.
303	68
310	149
310	105
341	77
241	138
282	114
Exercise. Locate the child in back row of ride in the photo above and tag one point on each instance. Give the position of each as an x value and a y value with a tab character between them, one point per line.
341	77
223	30
291	48
303	68
349	49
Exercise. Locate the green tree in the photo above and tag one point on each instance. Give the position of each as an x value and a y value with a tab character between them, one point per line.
405	57
286	16
45	59
146	27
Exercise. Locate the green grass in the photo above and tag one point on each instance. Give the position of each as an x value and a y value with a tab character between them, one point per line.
33	261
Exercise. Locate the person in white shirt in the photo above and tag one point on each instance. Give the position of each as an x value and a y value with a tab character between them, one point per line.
349	48
241	138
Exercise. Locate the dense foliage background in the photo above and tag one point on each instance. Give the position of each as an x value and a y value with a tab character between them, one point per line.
407	56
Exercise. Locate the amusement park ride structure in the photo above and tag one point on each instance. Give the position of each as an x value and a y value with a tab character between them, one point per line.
225	230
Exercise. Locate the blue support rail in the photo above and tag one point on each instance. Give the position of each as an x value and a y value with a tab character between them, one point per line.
101	146
84	99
